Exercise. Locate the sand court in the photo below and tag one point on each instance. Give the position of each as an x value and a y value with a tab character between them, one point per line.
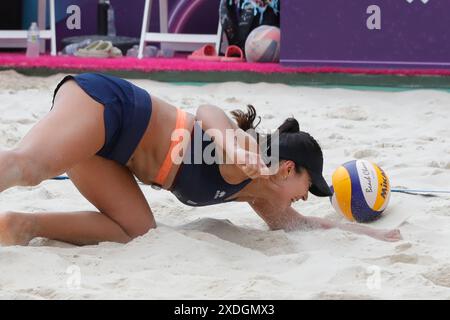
226	251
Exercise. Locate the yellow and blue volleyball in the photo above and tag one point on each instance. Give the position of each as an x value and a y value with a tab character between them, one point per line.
361	190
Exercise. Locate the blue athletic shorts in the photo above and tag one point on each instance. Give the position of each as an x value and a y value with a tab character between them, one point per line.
127	113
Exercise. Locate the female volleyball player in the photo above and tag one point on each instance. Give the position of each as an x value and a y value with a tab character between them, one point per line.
104	131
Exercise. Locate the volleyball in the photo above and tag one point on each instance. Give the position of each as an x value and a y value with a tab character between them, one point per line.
263	44
361	190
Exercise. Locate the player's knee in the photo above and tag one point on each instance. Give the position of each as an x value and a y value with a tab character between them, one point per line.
141	229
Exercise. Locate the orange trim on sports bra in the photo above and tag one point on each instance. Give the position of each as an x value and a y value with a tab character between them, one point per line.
168	163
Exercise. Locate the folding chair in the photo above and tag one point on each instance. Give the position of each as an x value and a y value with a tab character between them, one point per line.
165	36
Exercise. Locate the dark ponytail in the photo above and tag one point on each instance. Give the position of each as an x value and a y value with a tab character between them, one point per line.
245	119
290	125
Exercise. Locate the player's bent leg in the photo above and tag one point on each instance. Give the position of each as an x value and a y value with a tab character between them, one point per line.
113	190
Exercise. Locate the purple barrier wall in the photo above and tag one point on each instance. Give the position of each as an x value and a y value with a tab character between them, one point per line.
353	33
185	16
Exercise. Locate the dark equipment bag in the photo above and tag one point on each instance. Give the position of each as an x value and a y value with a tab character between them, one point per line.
240	17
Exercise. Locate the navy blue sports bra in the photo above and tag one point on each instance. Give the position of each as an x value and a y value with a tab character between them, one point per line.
201	184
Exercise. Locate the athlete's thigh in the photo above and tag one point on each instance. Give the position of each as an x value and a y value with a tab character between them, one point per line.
73	131
113	190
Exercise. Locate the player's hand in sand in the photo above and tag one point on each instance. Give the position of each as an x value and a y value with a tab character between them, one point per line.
388	235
